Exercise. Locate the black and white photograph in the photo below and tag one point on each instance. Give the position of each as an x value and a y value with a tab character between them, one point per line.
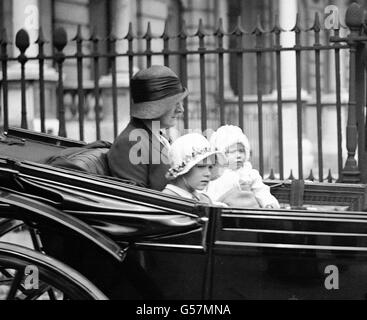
183	155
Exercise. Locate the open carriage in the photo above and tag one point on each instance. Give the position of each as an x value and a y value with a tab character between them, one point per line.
92	236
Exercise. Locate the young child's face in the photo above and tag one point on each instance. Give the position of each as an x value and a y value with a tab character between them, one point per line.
236	156
199	176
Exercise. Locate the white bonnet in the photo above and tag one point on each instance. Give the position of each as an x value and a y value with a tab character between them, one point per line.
227	135
186	152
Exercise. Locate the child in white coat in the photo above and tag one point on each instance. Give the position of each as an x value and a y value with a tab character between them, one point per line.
238	184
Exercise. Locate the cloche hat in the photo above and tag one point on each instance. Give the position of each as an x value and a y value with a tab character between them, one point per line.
154	91
187	151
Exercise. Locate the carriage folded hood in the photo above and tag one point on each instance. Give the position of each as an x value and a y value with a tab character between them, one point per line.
119	216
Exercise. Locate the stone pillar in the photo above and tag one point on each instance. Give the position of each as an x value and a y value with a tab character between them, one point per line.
287	19
222	8
193	12
26	16
122	13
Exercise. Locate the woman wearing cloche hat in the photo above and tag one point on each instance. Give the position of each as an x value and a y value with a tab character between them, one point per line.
139	153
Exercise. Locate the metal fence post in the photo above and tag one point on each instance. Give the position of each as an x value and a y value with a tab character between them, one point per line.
201	34
238	32
4	66
112	40
148	51
60	41
277	31
298	50
165	37
41	60
259	33
79	58
316	28
22	43
219	33
354	20
94	39
182	36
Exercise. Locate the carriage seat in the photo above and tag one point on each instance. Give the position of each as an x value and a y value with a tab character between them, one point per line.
91	158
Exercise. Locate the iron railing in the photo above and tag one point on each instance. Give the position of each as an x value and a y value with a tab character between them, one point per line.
226	110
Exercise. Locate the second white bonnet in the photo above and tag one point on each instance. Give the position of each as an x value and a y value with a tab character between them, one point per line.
227	135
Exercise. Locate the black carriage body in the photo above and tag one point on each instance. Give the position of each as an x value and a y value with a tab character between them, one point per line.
138	243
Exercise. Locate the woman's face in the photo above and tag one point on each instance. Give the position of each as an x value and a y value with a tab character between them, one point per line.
169	119
199	176
236	156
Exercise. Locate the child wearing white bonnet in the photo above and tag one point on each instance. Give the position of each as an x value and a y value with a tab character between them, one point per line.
239	185
191	160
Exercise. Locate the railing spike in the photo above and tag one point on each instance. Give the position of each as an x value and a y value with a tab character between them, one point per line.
165	35
78	37
291	177
311	176
219	32
148	34
316	24
200	33
272	175
41	37
130	35
297	27
329	177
